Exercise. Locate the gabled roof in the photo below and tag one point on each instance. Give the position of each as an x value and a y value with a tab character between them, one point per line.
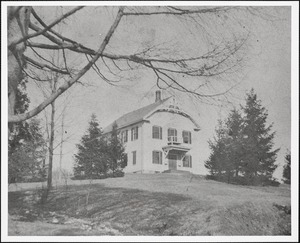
134	116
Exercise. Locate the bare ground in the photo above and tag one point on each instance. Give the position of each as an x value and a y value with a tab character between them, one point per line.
157	204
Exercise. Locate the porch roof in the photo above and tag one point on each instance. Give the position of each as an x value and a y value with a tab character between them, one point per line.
174	147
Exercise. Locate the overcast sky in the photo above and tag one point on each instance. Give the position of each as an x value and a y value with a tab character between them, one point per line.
267	70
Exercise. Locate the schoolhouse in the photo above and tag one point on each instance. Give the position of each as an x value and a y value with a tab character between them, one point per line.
160	137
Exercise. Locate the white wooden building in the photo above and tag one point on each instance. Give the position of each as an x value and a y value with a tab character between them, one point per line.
160	137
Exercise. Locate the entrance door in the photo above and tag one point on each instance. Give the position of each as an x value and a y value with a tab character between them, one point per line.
172	162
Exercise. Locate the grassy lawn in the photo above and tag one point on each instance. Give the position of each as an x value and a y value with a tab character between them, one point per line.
158	204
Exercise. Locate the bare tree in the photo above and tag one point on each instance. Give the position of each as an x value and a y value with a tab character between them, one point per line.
61	146
195	72
53	89
51	81
56	140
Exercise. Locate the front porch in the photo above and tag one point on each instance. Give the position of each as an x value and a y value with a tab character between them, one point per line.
173	156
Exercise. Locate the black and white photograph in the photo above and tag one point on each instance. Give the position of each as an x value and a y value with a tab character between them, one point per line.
149	121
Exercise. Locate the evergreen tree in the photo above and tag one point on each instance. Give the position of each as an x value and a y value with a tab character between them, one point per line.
287	169
91	159
19	130
117	158
242	149
214	163
226	157
235	126
27	159
26	145
259	158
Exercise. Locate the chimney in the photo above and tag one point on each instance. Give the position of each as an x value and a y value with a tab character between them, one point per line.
157	96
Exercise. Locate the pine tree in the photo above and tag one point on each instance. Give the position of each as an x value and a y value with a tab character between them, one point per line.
242	150
226	157
37	151
235	126
287	169
259	158
91	159
117	159
215	162
19	130
27	159
26	145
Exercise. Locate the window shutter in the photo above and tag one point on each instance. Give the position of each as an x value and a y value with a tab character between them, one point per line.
137	133
191	161
160	132
153	157
190	137
160	157
134	157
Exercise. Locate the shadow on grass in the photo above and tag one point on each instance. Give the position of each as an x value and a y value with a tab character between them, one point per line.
98	210
129	211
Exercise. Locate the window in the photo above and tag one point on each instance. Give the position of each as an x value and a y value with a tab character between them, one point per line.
124	136
172	135
134	133
187	161
134	157
157	157
187	137
157	132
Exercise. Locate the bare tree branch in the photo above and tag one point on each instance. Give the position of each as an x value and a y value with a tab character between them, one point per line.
170	67
68	84
41	57
97	70
42	66
179	11
65	62
45	29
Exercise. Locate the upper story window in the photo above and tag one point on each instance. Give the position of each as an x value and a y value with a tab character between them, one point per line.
172	135
187	137
157	132
134	133
187	161
124	136
157	157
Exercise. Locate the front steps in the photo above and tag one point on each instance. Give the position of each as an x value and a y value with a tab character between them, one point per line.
177	171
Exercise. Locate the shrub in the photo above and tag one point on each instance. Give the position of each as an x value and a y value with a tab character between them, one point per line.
117	173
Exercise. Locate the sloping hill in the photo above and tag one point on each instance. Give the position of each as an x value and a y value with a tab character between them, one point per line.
152	204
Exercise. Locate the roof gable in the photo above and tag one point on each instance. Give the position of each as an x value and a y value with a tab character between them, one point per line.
176	110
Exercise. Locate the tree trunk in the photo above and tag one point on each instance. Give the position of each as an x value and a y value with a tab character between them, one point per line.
49	182
61	145
18	19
